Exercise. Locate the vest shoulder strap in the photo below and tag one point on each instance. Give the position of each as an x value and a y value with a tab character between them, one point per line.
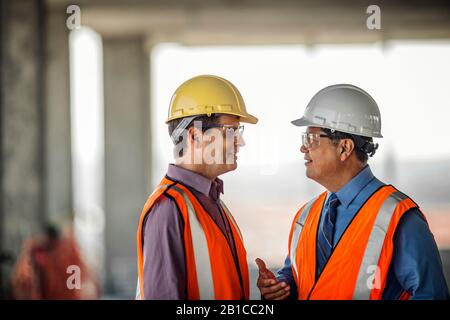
298	227
368	276
200	248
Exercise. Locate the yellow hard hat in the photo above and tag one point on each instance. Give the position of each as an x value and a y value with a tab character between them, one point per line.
207	95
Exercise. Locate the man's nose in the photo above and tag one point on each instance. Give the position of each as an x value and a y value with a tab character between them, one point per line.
303	149
240	142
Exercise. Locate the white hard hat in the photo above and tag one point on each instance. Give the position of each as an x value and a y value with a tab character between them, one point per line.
345	108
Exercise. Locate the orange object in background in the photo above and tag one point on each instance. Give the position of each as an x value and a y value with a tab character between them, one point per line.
44	270
439	221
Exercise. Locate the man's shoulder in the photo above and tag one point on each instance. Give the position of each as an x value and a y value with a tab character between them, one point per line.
163	210
413	218
399	195
163	200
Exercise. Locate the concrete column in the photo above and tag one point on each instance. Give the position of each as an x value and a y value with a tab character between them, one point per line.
57	111
127	153
22	124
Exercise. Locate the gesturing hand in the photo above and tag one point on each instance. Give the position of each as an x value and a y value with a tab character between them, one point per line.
268	285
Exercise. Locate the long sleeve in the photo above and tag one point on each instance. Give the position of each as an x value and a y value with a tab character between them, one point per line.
164	257
416	262
285	274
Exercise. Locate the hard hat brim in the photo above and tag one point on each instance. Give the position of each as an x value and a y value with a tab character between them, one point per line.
302	122
246	118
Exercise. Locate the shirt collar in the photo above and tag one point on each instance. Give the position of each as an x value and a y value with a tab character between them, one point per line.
349	192
196	180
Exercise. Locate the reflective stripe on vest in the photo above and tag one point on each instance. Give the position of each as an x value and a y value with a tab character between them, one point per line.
201	253
297	232
138	291
375	244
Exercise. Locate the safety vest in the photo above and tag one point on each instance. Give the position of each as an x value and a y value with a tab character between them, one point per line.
211	269
359	263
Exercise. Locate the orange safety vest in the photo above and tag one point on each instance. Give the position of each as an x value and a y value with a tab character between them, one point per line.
211	270
359	263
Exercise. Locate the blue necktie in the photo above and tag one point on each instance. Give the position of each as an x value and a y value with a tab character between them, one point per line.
326	233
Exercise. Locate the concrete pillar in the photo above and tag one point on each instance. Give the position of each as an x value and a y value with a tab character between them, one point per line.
127	154
57	111
22	124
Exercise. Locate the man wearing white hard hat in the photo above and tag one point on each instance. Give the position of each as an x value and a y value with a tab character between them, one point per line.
361	238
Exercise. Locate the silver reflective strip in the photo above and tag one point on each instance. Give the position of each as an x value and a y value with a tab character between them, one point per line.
297	232
224	207
138	291
369	264
201	253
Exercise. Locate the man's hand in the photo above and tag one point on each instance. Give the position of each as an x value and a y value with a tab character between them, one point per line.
268	285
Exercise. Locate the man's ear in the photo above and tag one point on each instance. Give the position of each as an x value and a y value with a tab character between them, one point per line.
346	147
193	136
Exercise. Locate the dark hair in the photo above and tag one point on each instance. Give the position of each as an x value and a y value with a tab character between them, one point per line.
51	231
213	119
364	146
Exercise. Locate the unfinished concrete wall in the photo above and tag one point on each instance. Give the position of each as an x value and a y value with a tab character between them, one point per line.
22	124
127	153
35	171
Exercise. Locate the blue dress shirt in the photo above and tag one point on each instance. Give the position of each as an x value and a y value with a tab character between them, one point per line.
416	265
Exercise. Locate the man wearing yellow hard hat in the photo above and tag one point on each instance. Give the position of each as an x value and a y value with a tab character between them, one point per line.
189	245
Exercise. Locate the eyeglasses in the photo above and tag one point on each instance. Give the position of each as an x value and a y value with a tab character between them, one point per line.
312	140
229	129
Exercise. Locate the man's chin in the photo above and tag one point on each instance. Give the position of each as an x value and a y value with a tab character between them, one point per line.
231	162
230	167
224	168
309	174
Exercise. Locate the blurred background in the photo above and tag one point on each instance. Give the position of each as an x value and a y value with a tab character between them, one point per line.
85	88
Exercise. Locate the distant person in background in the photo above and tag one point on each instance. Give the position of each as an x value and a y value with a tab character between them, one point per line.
43	270
360	239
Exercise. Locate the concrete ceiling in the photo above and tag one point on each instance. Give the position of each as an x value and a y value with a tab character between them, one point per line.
195	22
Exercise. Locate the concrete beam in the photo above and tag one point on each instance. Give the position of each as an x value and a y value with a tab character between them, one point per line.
252	22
